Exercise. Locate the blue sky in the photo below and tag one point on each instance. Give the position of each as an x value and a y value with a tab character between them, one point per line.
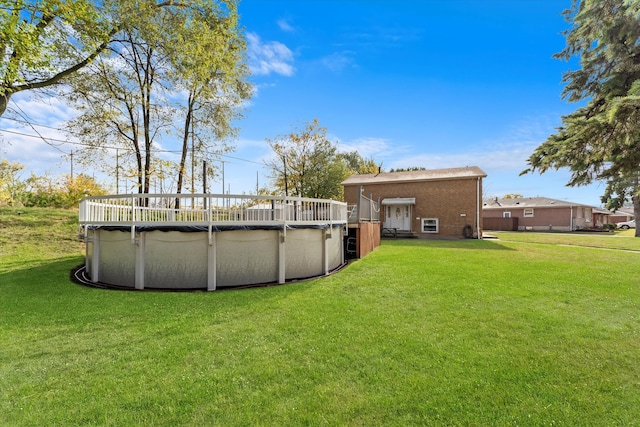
429	83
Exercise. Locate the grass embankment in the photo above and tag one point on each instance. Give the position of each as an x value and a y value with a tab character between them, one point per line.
419	332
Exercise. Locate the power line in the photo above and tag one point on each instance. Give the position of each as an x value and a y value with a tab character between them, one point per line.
34	124
24	116
83	144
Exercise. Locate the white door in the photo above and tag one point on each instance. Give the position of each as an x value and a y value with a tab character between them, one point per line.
397	216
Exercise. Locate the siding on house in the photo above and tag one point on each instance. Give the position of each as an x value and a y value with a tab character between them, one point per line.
452	196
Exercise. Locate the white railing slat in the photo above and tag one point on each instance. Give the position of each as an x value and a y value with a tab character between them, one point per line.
135	209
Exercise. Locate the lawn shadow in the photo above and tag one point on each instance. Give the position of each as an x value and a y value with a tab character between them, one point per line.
466	244
39	282
35	281
30	267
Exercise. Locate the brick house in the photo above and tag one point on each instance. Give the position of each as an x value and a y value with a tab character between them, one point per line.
539	214
622	214
424	203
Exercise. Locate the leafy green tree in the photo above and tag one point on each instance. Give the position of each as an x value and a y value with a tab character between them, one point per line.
358	164
211	70
44	191
513	196
411	169
11	187
46	41
601	140
305	163
139	93
79	186
65	192
119	104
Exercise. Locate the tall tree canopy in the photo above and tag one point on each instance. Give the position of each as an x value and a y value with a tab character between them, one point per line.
172	71
601	140
44	41
142	63
307	164
212	73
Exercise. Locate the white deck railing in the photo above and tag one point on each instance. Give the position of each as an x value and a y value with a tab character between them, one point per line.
207	209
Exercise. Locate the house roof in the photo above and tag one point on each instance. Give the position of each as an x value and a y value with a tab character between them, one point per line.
624	211
421	175
602	211
529	202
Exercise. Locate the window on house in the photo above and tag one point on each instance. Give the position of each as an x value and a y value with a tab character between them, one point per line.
578	212
528	213
429	225
506	214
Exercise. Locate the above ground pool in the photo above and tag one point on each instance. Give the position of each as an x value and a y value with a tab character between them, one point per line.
209	241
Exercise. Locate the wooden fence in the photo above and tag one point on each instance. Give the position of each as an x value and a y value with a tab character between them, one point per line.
500	224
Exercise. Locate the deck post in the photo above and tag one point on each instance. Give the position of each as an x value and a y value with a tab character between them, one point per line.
325	251
95	261
212	264
282	265
139	274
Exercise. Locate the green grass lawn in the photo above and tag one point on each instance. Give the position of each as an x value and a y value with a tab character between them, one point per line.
464	332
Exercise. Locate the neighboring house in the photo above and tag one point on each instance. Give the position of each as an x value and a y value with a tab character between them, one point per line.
622	215
539	213
601	216
424	203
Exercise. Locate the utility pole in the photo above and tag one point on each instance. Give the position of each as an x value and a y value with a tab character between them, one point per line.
204	177
286	183
223	162
193	164
204	182
71	165
117	171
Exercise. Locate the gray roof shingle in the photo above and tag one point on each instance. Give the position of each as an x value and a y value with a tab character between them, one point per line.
528	202
421	175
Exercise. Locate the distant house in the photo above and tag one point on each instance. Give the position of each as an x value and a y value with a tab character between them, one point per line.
424	203
539	213
601	216
621	215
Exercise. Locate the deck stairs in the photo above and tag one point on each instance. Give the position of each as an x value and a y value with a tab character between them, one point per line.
394	233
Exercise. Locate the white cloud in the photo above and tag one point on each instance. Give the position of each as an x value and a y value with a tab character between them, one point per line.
498	159
338	61
366	147
38	147
33	153
502	153
285	26
44	110
269	57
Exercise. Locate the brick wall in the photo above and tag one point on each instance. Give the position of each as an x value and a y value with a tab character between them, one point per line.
453	202
546	218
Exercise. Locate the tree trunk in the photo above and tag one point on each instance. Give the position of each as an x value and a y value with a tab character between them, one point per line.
139	165
4	101
185	148
636	209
